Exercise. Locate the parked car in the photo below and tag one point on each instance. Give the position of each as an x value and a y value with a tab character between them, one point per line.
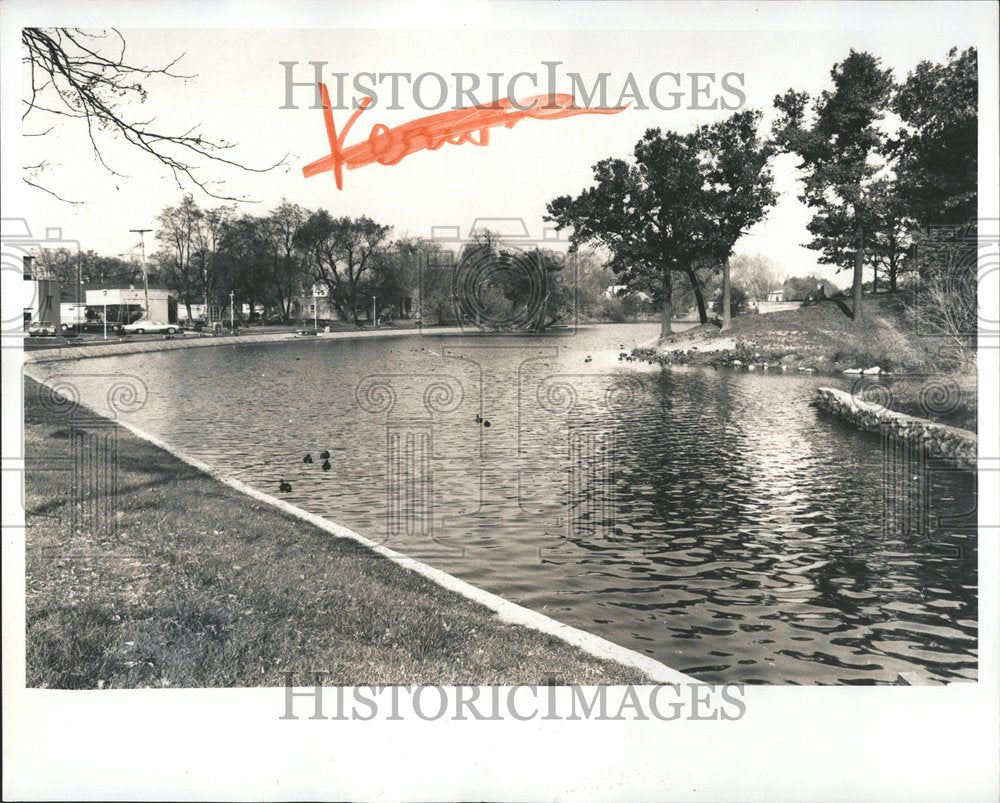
92	325
150	327
41	329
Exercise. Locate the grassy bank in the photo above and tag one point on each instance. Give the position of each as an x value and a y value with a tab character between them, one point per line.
202	586
821	336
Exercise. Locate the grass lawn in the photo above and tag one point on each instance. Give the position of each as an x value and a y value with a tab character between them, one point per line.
200	586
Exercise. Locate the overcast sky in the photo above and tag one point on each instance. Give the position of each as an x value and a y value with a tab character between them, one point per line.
239	87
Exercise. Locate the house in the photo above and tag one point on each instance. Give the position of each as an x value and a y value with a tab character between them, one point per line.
314	307
41	296
774	301
162	302
617	290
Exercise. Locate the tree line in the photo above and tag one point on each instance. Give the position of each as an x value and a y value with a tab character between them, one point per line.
663	222
676	208
290	253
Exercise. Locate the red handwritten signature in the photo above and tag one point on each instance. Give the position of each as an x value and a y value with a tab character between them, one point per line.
389	146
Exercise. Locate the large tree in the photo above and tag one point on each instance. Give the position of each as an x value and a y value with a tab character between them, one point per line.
647	214
837	148
938	146
738	184
342	252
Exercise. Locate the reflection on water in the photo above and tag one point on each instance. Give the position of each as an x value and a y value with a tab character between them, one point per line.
711	519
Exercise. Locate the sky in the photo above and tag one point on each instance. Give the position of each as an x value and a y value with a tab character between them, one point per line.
237	88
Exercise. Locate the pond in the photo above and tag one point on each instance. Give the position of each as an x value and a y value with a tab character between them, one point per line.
711	519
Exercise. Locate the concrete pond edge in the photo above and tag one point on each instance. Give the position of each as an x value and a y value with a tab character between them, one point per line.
111	349
507	611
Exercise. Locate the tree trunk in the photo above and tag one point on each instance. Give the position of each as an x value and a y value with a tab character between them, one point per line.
859	264
698	295
893	270
727	297
667	312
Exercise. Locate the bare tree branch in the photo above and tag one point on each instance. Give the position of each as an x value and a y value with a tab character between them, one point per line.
94	87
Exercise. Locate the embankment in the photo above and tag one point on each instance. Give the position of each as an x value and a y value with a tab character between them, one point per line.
196	579
957	447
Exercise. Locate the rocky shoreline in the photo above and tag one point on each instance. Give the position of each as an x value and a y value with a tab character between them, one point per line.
957	447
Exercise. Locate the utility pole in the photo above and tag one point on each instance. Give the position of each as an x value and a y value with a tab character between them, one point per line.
145	276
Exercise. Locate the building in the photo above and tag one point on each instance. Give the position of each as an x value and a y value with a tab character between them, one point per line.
162	302
618	290
774	301
41	296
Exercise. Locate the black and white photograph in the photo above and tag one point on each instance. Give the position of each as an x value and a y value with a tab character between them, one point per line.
500	401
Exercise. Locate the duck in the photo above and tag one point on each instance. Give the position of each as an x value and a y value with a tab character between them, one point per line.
284	486
307	459
326	465
486	423
589	359
479	418
325	454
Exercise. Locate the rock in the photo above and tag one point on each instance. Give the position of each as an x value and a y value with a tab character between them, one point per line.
953	445
853	371
875	370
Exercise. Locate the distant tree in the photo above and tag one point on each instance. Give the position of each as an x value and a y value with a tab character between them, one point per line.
801	288
211	228
938	146
756	274
177	233
739	185
738	301
837	148
648	215
890	225
243	264
593	278
507	286
341	253
287	261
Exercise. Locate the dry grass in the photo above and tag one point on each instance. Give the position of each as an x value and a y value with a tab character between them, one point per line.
200	587
823	336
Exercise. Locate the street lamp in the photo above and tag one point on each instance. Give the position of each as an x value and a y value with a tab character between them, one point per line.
374	322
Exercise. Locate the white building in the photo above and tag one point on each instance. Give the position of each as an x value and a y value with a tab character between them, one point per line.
162	303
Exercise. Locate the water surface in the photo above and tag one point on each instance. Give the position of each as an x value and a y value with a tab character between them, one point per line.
712	519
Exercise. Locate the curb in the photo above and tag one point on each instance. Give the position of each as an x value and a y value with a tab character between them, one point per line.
148	346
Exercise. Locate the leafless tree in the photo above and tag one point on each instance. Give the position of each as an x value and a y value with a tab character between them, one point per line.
85	75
